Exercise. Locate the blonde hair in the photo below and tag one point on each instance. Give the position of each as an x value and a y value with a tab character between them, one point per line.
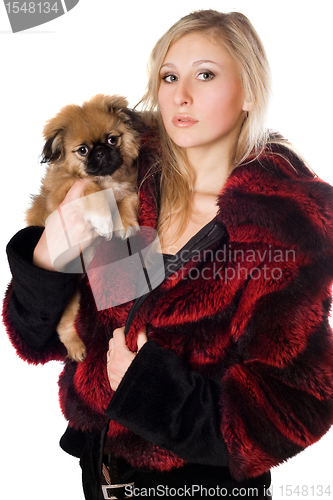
237	35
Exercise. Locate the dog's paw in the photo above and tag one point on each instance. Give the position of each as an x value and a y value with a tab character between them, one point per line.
127	232
76	350
103	224
96	211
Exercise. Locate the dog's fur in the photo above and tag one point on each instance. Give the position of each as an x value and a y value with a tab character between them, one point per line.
100	141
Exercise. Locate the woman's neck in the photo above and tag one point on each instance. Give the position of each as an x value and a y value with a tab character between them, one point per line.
211	169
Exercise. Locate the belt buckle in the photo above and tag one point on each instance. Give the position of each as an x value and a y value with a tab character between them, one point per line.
113	491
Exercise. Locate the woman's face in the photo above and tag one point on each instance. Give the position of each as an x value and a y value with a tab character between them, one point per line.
200	96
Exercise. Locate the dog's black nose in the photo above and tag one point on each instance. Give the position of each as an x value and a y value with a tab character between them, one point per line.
103	160
100	155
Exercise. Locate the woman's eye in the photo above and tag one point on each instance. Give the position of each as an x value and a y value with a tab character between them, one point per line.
206	75
170	78
113	140
83	150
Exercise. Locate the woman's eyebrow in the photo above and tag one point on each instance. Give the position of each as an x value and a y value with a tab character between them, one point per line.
196	63
203	61
168	65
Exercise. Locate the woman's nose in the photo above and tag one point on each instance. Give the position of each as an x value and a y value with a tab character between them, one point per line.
182	95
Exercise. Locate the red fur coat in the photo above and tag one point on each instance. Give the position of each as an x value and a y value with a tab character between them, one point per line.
239	342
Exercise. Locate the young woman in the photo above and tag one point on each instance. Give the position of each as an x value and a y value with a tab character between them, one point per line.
225	369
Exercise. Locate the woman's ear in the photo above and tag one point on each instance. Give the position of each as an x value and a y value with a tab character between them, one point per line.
247	106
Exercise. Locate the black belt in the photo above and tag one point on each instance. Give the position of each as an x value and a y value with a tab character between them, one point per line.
110	475
117	491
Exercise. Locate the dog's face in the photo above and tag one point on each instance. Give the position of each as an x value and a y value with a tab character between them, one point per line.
94	139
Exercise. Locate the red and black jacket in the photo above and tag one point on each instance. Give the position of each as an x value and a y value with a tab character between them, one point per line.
238	368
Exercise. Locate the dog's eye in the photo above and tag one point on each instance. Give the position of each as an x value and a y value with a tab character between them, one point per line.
83	150
113	140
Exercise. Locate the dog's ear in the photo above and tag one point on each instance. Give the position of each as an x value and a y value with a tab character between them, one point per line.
118	104
55	131
135	119
54	148
113	103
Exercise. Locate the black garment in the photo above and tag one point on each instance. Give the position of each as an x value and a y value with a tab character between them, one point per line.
39	296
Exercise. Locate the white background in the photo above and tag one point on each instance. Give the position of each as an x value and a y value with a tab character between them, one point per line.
103	46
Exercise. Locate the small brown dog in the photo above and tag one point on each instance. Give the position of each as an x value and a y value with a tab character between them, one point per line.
100	141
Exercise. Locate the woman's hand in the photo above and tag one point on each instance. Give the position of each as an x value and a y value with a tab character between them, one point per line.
119	356
53	239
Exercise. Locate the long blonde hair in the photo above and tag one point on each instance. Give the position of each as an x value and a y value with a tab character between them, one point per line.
237	35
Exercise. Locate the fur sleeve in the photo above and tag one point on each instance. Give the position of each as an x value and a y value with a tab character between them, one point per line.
34	301
277	398
175	408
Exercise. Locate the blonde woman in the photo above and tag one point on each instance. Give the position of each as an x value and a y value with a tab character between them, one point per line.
224	370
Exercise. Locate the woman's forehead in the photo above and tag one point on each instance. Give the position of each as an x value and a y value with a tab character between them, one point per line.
196	48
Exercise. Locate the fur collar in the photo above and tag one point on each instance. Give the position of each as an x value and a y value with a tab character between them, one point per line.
271	198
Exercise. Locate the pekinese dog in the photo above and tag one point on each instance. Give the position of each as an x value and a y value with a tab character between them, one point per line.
98	141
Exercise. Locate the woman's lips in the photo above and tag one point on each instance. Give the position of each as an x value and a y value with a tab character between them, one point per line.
184	121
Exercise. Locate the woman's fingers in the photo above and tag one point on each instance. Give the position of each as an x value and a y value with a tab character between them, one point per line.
75	191
142	339
120	357
119	340
67	233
